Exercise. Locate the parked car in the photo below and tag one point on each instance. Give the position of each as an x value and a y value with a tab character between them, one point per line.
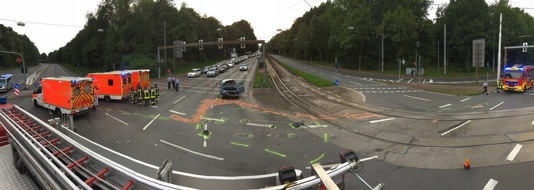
194	73
231	89
243	67
212	72
223	68
205	70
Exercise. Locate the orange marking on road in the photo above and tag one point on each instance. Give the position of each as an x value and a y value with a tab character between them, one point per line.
207	103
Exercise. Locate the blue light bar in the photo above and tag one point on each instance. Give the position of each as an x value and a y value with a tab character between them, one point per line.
73	81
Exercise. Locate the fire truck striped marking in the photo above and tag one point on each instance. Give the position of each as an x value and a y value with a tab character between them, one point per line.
151	122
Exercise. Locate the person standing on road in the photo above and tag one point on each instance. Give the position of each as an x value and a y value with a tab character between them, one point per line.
177	84
173	82
485	86
169	82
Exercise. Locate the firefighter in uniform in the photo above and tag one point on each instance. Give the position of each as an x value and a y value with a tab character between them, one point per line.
499	84
133	96
152	96
140	96
146	96
157	91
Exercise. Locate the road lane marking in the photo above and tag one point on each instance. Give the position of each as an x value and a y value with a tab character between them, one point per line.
179	113
514	152
496	106
410	80
417	98
382	120
355	83
334	165
314	126
178	100
400	80
465	100
191	151
532	123
447	132
491	184
213	119
117	119
213	102
146	126
259	125
446	105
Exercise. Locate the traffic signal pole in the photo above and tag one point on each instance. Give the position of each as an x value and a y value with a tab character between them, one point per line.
23	65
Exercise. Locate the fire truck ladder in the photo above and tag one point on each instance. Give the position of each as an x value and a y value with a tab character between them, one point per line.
58	162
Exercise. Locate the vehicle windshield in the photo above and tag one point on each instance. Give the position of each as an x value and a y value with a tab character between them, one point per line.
513	74
2	81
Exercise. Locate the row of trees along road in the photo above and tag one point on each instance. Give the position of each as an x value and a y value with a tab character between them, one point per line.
11	41
352	30
127	33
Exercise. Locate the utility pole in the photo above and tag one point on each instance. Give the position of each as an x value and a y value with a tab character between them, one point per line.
444	49
499	52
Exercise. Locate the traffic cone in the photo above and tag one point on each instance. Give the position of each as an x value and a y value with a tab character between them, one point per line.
466	164
185	84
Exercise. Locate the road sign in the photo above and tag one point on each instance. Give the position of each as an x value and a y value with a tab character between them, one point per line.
16	86
336	82
16	91
19	60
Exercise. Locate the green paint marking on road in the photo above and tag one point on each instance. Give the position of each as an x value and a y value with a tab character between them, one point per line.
221	121
239	144
244	121
206	121
125	112
198	126
201	134
316	123
291	135
243	135
317	159
325	137
221	113
275	153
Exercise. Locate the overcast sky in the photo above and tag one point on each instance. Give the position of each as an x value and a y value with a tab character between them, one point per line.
51	24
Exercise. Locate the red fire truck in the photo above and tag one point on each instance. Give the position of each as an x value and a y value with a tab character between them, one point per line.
517	78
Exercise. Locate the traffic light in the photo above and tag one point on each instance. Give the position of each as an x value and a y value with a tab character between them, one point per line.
200	46
242	44
183	46
220	43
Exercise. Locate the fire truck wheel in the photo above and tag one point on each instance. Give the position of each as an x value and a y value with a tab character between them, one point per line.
107	98
58	111
35	104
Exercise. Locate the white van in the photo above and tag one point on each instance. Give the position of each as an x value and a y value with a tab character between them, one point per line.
6	83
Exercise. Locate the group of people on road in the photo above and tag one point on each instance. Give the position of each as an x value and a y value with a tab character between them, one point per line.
173	83
144	97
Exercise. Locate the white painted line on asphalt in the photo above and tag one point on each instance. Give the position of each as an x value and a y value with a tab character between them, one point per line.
496	106
117	119
514	152
259	125
461	125
146	126
163	93
213	102
178	100
446	105
315	126
424	81
334	165
213	119
355	83
417	98
465	100
532	123
154	106
400	80
410	80
381	120
193	152
491	184
179	113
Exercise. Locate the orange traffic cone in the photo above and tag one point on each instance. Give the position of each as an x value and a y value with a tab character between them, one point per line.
466	164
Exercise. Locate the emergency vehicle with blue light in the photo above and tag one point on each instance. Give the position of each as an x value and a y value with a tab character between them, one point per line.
113	85
65	95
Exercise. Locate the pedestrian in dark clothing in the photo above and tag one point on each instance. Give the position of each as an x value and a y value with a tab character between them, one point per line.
173	82
485	86
177	84
169	82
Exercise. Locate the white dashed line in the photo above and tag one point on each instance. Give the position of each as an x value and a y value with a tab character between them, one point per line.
382	120
193	152
259	125
532	123
410	80
417	98
178	100
446	105
179	113
461	125
514	152
496	106
117	119
212	119
491	184
146	126
465	100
